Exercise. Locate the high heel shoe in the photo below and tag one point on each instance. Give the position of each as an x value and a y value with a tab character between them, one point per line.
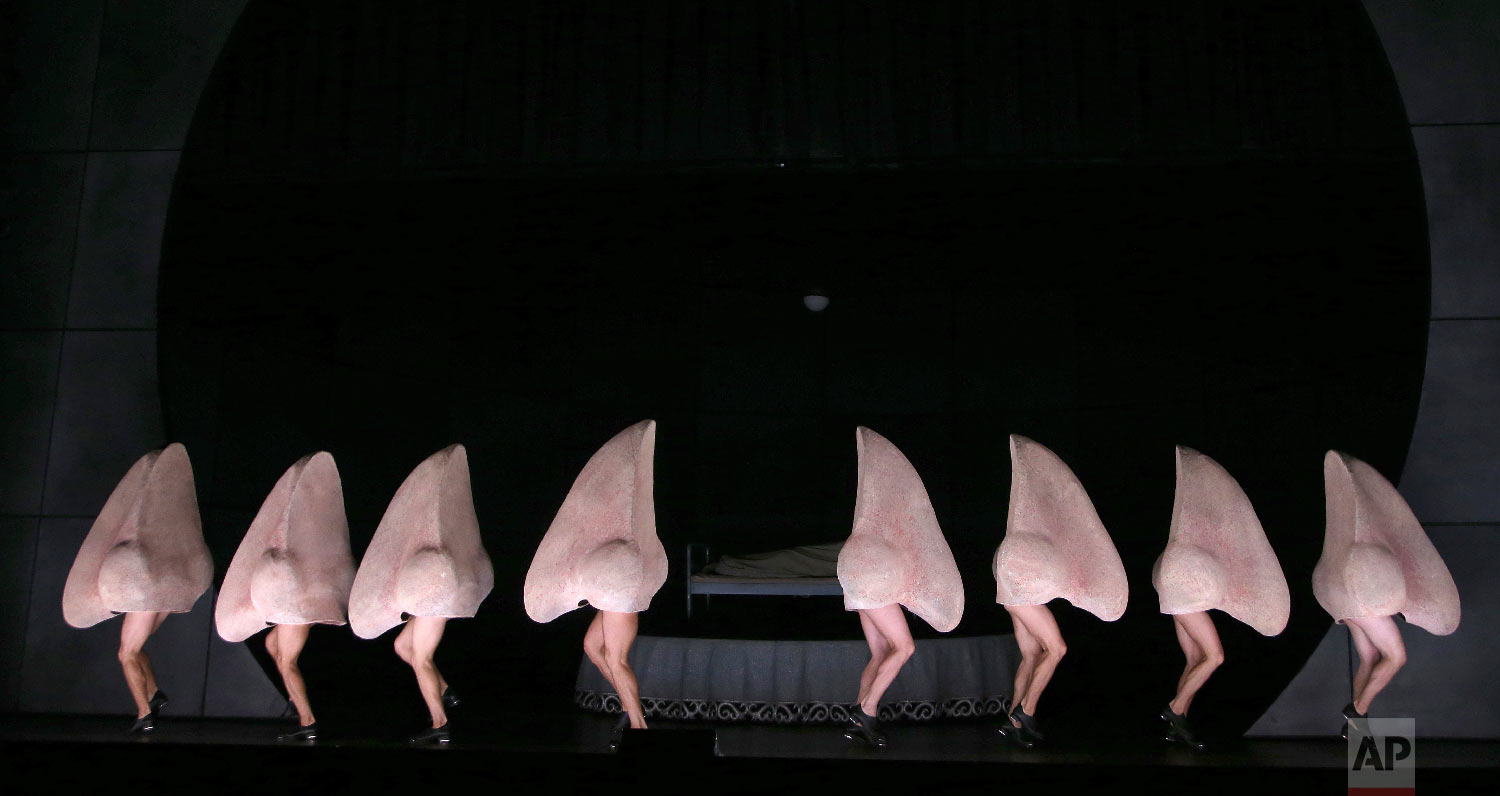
432	735
143	725
864	727
157	701
307	733
450	698
1353	716
1178	730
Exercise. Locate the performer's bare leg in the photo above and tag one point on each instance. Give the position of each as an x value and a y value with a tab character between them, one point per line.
416	644
880	647
1038	622
134	630
1368	655
1031	652
1191	653
890	623
619	631
1382	634
1204	654
285	643
593	647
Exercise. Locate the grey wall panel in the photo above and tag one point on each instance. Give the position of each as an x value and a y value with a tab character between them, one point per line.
1311	703
1453	468
123	214
237	686
17	553
154	59
51	48
1448	684
28	384
1444	55
68	670
108	415
1461	174
39	196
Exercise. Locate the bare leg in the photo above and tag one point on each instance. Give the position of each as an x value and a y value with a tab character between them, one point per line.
416	644
593	647
1038	621
1031	650
134	630
619	635
1383	633
289	641
151	687
1368	655
1199	628
619	631
891	624
880	647
1191	652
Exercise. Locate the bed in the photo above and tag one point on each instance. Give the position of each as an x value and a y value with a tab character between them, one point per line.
807	571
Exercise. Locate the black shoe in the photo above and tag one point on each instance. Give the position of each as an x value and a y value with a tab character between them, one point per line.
1014	734
864	727
450	698
308	733
1028	723
1178	730
617	732
431	735
1353	716
159	699
143	725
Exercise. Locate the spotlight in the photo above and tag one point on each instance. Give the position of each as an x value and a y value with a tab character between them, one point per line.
815	300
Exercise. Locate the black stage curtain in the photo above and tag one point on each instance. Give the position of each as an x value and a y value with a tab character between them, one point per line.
442	86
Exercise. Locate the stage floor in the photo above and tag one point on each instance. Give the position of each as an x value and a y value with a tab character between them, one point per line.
570	753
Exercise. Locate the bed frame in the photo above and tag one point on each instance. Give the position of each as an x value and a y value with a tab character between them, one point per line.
709	585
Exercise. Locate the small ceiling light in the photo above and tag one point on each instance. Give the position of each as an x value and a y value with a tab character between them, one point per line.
815	300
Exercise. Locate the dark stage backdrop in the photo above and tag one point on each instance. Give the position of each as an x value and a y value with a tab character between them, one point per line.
524	226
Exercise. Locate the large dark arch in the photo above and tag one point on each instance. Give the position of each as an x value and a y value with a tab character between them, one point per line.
524	226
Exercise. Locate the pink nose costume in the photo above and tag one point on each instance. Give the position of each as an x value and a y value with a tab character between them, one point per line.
1217	554
1055	545
896	552
601	548
426	558
294	566
145	551
1377	560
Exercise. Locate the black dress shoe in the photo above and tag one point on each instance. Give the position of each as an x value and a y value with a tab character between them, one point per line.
1357	718
431	735
617	732
1028	723
143	725
307	733
157	700
450	698
864	727
1179	731
1014	734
